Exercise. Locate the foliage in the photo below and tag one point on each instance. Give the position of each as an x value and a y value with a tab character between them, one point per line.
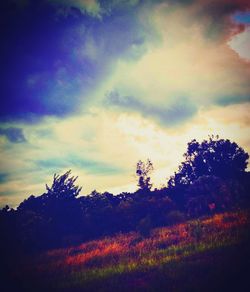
95	265
174	217
144	226
60	216
63	187
143	170
215	156
207	194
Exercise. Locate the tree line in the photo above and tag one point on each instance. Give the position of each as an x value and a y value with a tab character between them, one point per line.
212	178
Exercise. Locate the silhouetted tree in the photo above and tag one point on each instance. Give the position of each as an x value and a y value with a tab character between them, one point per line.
143	169
63	186
215	156
48	220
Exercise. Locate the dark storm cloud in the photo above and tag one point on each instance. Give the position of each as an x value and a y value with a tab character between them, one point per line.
55	53
52	61
14	135
31	46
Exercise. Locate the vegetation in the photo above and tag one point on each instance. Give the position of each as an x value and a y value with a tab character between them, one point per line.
190	256
143	171
211	179
122	237
212	157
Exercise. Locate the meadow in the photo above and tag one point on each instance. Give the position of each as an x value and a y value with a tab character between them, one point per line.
206	254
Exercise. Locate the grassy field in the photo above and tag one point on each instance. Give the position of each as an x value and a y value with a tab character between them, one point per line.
209	254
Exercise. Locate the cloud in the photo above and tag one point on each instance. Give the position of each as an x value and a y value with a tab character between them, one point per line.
241	44
102	148
91	7
226	100
3	177
242	17
92	145
188	60
234	114
95	8
90	166
52	64
171	114
14	135
168	48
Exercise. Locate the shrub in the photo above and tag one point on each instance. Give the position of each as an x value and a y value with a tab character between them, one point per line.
174	217
144	226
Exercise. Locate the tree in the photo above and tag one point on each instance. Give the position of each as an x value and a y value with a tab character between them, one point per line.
143	169
215	156
48	220
63	187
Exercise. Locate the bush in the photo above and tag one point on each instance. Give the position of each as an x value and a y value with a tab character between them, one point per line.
144	226
174	217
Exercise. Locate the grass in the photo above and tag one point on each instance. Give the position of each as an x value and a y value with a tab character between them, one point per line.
192	256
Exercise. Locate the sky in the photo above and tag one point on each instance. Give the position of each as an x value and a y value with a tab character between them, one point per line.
94	86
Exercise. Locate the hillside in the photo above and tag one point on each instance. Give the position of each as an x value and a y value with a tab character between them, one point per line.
208	254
